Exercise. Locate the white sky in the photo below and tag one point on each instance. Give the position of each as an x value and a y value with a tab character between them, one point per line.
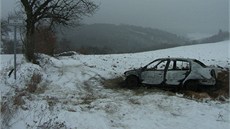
181	16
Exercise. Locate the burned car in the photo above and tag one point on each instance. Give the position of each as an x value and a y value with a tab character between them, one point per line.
180	73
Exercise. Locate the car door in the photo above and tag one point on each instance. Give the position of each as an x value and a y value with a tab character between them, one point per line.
154	73
177	72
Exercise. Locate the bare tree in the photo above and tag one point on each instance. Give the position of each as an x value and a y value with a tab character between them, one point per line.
5	45
50	13
4	28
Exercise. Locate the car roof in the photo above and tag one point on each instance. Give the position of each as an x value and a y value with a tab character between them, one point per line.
175	58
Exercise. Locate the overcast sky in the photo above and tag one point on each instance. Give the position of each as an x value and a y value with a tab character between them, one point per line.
183	16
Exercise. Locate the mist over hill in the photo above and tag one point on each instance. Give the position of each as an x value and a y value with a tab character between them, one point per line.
109	38
218	37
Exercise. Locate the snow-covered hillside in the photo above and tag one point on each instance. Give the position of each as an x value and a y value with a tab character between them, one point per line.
198	36
71	93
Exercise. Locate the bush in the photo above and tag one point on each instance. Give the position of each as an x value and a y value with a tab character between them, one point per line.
8	47
10	105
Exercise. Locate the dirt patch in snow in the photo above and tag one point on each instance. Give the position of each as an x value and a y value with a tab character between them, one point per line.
114	83
220	92
222	85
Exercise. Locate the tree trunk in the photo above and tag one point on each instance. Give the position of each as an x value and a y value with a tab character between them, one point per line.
29	42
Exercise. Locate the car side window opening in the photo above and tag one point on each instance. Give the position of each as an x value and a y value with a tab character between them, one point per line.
200	63
161	65
182	65
152	65
171	65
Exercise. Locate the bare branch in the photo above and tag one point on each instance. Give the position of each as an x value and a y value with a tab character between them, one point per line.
51	13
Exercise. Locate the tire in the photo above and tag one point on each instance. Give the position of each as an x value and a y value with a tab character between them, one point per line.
132	81
191	85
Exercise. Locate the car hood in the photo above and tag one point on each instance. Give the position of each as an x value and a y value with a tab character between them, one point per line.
136	72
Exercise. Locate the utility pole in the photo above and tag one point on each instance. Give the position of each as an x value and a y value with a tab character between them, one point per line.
15	22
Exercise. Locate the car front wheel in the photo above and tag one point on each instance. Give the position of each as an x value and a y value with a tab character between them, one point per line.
191	85
132	81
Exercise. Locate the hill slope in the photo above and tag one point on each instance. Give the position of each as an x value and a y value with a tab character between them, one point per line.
121	38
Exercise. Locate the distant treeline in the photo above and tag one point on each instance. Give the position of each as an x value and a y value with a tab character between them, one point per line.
109	38
220	36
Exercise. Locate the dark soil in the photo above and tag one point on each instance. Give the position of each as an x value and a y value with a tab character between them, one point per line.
219	92
222	86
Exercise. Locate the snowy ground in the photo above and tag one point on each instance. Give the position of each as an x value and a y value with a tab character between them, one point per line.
71	93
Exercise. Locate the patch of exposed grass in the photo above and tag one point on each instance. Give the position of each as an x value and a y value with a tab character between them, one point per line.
222	87
118	84
220	93
10	105
33	84
88	98
114	83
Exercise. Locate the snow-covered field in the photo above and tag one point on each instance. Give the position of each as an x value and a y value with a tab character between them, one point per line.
71	94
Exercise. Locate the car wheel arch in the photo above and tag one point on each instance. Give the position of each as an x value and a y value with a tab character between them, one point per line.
191	84
132	80
213	73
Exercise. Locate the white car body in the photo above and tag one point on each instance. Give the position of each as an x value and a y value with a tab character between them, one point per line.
174	71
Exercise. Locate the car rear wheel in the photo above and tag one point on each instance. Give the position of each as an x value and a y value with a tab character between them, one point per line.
191	85
132	81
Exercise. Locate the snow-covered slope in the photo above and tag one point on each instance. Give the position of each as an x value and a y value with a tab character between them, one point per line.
71	93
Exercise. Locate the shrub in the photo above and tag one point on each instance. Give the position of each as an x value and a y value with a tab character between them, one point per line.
10	105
